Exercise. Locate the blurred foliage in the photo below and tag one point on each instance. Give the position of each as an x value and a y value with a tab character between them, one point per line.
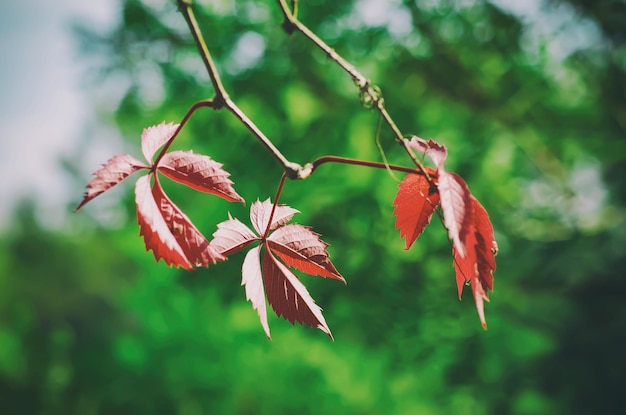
89	324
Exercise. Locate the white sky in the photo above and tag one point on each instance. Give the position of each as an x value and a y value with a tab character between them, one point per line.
42	109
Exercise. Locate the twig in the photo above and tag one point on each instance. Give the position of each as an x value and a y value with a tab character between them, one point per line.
221	96
356	162
276	199
369	93
200	104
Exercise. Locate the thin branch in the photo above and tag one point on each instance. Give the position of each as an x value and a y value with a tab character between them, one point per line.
221	96
370	94
220	92
356	162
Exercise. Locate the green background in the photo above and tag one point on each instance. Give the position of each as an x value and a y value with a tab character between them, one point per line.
90	324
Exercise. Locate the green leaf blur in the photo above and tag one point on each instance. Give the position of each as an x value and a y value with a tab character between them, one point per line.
90	324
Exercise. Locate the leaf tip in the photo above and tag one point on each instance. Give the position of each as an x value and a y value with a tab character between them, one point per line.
326	330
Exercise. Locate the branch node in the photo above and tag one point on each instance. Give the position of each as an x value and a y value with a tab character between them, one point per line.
184	3
292	170
371	96
305	171
288	26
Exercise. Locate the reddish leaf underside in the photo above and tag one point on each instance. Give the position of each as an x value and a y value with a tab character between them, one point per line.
415	205
301	248
116	169
154	229
193	244
232	236
288	296
199	172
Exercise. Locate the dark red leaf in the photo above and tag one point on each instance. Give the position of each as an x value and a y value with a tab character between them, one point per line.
232	236
486	246
199	172
116	169
154	229
415	204
456	206
195	247
152	138
288	296
252	280
478	265
301	248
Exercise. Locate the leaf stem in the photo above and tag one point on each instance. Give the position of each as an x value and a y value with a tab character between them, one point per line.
208	103
344	160
276	198
222	99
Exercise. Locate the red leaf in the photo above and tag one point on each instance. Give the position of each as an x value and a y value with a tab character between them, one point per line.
154	229
301	248
288	296
479	263
456	205
152	138
232	236
252	279
116	169
486	246
415	204
192	242
260	214
199	172
437	152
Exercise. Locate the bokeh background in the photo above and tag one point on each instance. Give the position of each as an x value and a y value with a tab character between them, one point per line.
529	98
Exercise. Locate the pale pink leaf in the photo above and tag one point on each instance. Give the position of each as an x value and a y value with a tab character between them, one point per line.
301	248
252	280
437	152
153	228
455	202
192	242
116	169
289	297
152	138
232	236
199	172
260	215
480	296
